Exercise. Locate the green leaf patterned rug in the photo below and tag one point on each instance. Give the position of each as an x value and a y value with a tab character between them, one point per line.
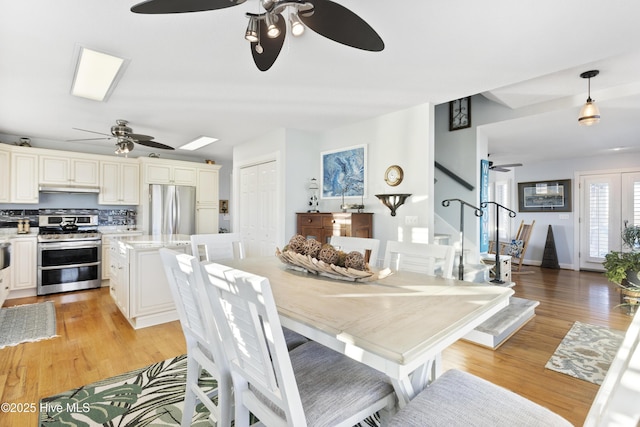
586	352
151	396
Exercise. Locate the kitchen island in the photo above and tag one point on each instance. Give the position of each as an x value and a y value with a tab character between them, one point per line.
138	283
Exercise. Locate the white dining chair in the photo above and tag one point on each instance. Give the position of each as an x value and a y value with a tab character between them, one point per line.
459	399
435	260
201	335
310	386
214	247
368	247
225	246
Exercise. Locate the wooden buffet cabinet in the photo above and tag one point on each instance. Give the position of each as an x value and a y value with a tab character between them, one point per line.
322	226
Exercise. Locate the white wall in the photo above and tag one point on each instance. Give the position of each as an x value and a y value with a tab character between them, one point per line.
404	138
564	225
459	151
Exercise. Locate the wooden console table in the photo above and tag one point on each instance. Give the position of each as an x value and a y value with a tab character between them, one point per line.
322	225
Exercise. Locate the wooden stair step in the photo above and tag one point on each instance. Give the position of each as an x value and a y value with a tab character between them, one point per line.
500	327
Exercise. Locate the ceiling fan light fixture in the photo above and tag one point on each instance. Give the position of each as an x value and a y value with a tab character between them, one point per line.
590	113
272	29
297	27
124	147
252	30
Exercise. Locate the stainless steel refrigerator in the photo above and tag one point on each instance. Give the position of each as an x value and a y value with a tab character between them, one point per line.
172	209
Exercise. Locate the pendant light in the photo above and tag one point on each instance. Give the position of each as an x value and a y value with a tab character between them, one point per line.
589	114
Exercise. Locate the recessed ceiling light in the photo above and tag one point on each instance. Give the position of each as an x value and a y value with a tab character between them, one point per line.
198	143
96	74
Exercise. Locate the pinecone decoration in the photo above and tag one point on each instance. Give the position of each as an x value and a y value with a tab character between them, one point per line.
297	243
355	260
328	254
342	257
312	248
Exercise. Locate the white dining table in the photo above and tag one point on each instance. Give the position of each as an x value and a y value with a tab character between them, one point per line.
398	325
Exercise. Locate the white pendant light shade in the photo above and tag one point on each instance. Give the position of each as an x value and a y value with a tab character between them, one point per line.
589	114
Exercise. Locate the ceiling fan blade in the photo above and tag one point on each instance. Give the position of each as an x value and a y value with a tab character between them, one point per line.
154	144
139	137
93	131
181	6
270	47
87	139
341	25
509	165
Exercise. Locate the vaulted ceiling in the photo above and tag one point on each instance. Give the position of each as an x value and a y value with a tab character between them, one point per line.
192	74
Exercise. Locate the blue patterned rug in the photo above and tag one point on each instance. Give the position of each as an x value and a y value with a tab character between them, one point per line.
586	352
151	396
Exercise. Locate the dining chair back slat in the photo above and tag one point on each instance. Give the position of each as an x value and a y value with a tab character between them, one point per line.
311	385
201	336
215	247
244	304
435	260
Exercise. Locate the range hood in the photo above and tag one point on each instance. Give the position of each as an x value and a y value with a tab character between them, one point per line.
68	189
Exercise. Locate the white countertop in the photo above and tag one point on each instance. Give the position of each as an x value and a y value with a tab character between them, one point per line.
12	233
111	229
147	241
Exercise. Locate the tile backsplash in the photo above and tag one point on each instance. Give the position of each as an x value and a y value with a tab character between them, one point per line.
117	217
106	217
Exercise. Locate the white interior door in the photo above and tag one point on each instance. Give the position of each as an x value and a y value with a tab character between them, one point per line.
258	216
608	203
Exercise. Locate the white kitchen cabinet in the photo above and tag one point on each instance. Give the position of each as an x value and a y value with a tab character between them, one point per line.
24	263
206	220
119	183
158	172
24	177
106	250
4	284
139	284
62	170
207	200
5	175
119	277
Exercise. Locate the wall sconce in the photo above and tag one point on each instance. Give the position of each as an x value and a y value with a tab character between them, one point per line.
393	201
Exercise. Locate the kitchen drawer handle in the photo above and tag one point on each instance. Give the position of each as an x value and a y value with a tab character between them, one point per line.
309	220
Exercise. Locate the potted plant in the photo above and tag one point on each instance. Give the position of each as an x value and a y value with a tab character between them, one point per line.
623	268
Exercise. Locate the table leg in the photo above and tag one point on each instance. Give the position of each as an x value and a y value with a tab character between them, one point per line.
407	388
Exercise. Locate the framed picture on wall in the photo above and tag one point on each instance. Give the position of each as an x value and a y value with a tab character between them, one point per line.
545	196
344	172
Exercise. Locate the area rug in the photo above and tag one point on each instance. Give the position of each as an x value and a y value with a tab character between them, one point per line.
151	396
27	323
586	352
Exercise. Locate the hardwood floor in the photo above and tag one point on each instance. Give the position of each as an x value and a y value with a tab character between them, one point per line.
96	342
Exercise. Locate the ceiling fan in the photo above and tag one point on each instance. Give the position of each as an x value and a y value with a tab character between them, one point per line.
503	168
125	138
266	29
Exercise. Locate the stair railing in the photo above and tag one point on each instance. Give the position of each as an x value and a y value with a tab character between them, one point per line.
478	212
512	214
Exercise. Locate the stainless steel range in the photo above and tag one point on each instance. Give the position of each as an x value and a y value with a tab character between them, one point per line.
69	250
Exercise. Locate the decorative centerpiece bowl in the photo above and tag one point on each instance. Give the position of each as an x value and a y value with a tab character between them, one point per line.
294	257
